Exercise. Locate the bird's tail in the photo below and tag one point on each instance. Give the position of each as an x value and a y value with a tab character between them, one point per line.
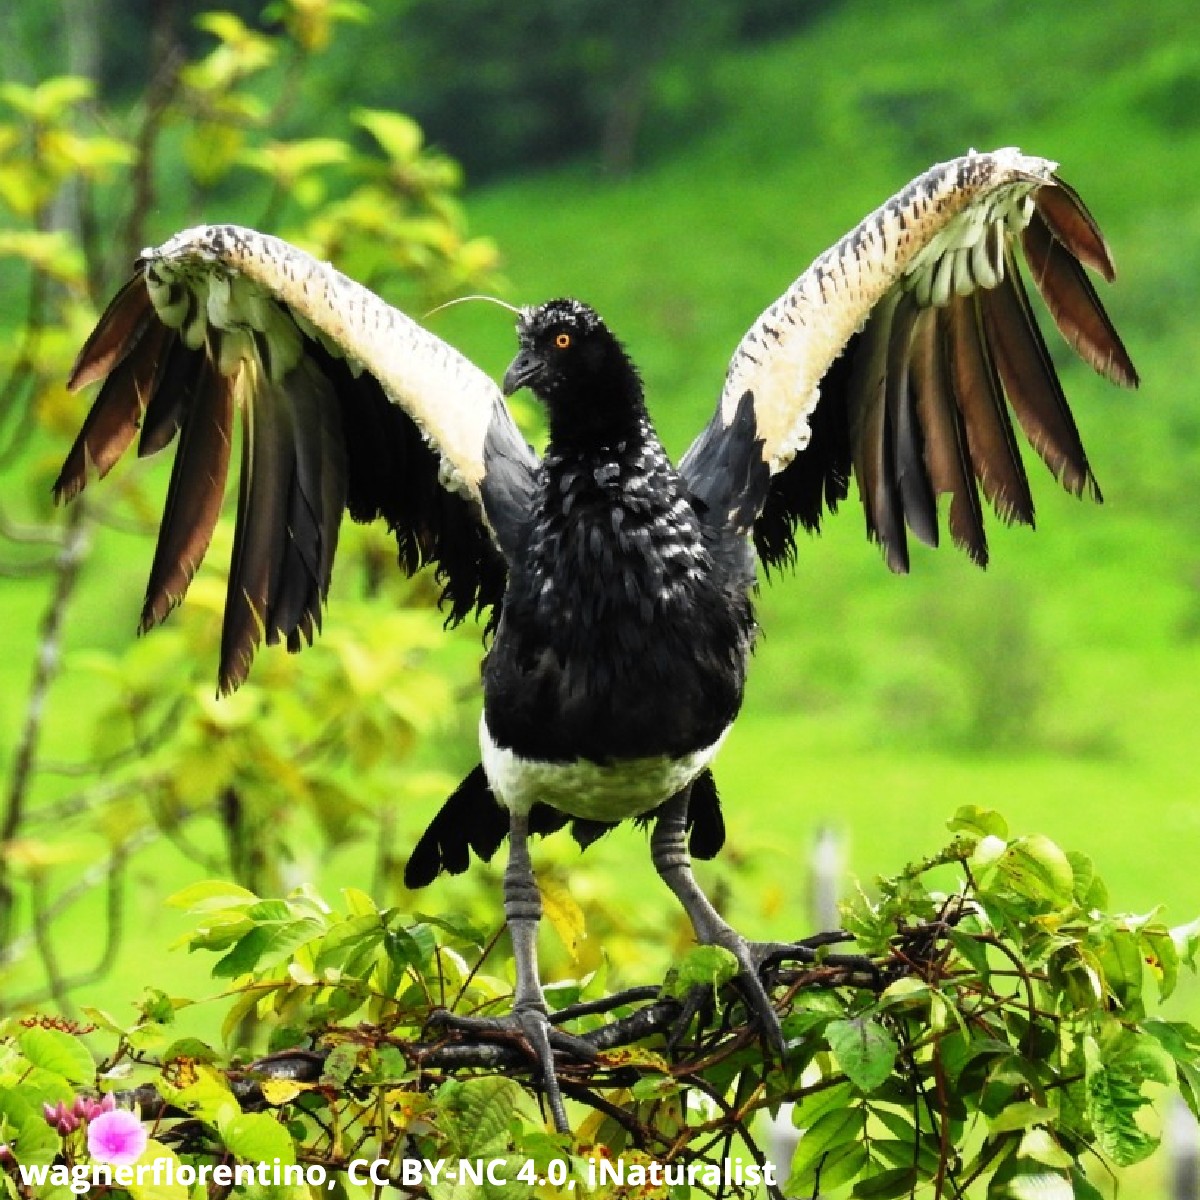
472	819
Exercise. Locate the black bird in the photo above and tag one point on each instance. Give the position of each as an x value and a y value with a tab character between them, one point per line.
618	584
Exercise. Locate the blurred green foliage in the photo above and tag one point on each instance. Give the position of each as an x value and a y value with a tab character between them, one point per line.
296	765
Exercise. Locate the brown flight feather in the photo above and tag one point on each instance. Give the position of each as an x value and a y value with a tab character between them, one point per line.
118	331
1031	382
993	446
194	494
261	530
871	439
1068	219
1073	303
912	477
946	453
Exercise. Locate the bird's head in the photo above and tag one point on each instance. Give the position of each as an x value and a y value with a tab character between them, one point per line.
570	360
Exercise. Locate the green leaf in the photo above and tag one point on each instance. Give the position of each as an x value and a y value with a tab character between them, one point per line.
32	1140
1120	959
398	136
147	1189
815	1105
1187	941
831	1169
54	252
265	945
479	1112
906	992
58	1052
48	100
563	914
340	1064
831	1153
1090	892
886	1184
1037	869
1115	1069
206	1097
1020	1116
1043	1147
702	966
1040	1185
1162	957
1084	1188
864	1049
256	1137
980	822
210	895
971	949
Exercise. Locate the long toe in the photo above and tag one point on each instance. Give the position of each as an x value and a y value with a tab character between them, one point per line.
532	1027
749	983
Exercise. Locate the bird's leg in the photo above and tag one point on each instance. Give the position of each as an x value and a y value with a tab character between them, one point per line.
522	912
668	849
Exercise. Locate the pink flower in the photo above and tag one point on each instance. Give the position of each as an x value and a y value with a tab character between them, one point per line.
117	1137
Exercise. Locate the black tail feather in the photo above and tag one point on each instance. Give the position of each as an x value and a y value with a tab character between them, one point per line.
706	825
473	820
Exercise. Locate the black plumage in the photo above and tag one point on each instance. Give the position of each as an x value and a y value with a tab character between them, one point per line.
618	584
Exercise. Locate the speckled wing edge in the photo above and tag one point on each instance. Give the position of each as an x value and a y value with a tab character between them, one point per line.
451	400
945	234
345	403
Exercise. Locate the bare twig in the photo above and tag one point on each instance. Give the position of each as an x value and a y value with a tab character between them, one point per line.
46	665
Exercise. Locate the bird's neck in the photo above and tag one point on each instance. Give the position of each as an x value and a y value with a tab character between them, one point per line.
606	412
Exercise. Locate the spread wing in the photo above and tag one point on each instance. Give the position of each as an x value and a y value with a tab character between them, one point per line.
901	355
344	403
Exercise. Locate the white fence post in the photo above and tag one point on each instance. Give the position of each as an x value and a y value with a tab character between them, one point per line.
824	892
1183	1151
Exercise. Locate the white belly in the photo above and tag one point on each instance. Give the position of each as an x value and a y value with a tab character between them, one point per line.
595	791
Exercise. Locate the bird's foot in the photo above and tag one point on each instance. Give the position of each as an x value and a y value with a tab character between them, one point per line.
529	1026
757	964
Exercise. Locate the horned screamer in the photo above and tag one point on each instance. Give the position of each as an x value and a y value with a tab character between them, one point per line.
618	583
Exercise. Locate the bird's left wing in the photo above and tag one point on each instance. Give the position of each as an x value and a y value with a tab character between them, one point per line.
898	355
345	403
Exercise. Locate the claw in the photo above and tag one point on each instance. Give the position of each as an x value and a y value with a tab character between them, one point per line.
532	1026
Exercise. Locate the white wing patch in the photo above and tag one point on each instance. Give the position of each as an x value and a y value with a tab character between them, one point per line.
254	289
942	235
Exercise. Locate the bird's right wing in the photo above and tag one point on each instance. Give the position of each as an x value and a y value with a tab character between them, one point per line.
345	403
898	354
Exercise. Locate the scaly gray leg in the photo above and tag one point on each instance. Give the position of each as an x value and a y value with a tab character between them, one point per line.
668	849
522	912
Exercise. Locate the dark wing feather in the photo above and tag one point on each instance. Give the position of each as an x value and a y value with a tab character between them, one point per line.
908	438
176	384
194	494
706	825
872	436
129	344
1031	383
128	315
817	479
345	403
946	454
980	399
903	347
1073	303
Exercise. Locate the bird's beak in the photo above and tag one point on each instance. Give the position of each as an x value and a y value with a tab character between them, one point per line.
522	371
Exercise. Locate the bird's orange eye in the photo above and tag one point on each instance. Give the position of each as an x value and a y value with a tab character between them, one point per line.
562	341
